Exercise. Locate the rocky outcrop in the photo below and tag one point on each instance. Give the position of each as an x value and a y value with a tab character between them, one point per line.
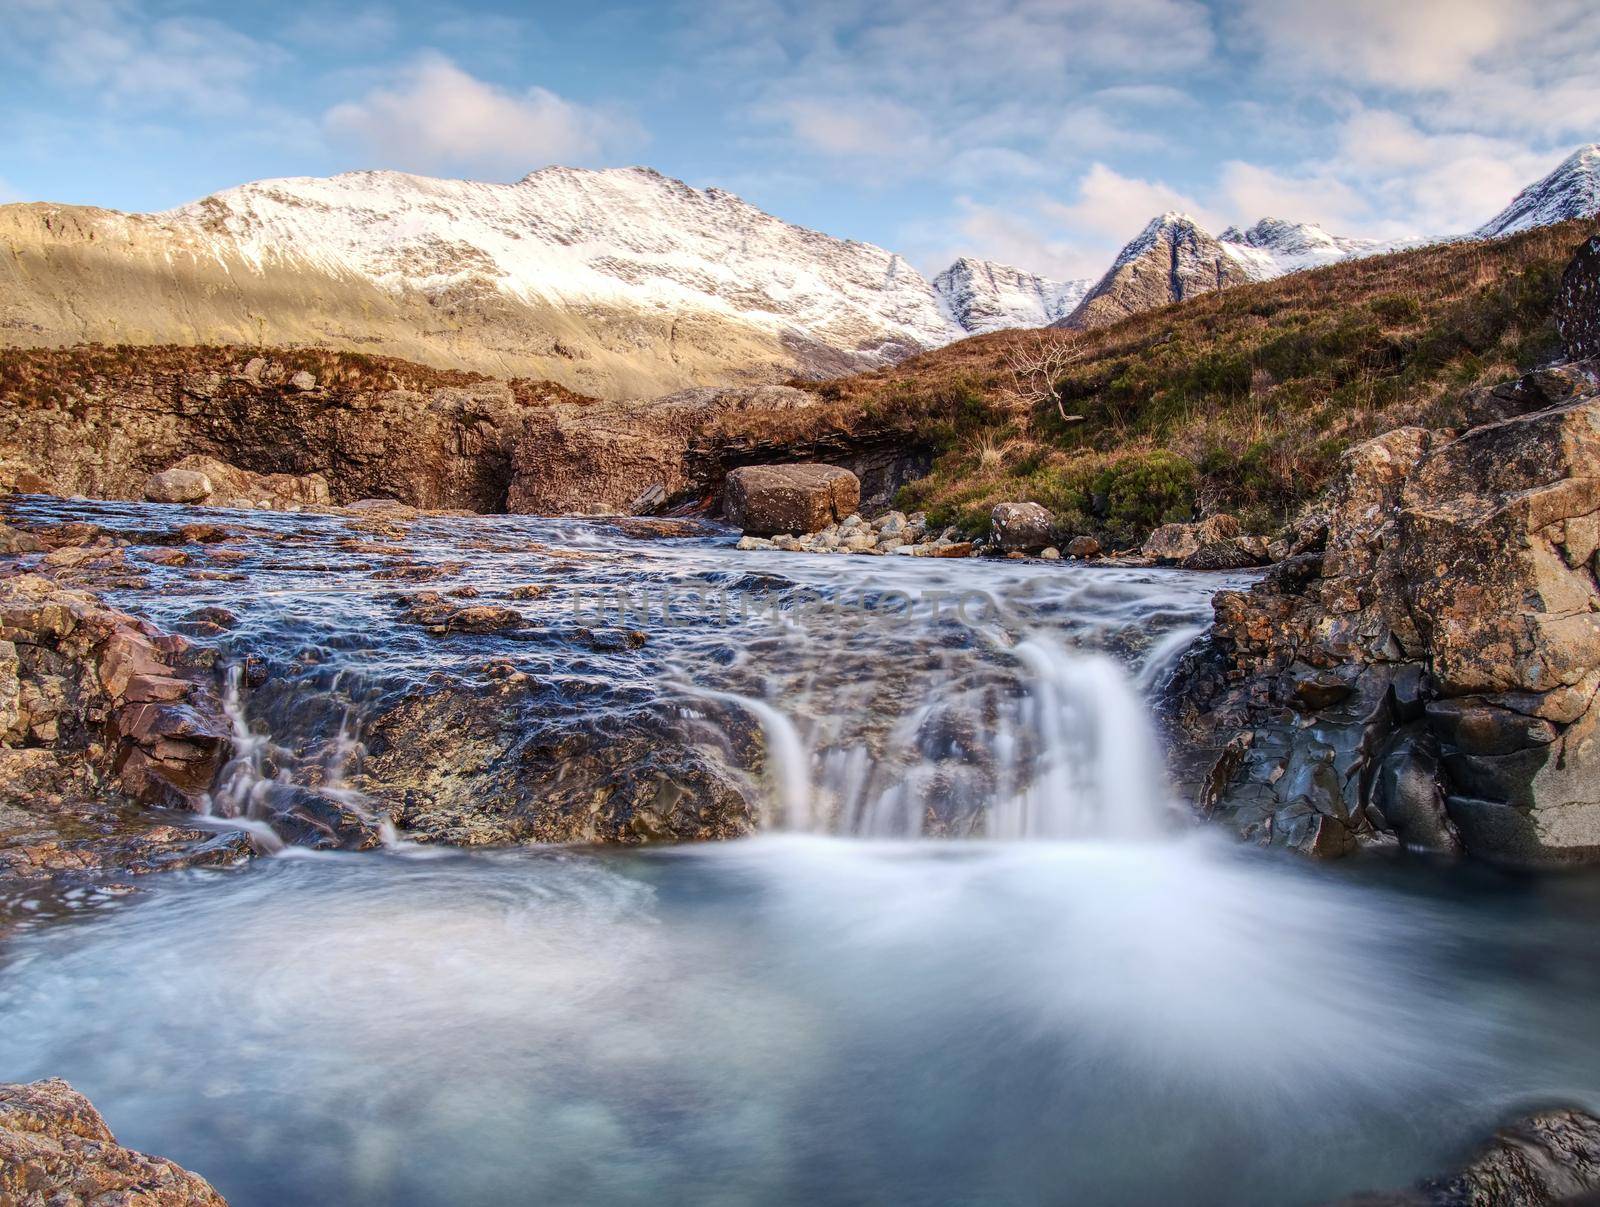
1543	1160
1423	666
1578	305
765	500
99	712
207	482
56	1151
639	457
1022	527
102	422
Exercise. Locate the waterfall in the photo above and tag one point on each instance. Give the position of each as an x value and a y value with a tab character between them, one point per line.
1099	769
1070	755
257	787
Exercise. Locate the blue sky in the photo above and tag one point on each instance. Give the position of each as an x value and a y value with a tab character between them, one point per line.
1040	132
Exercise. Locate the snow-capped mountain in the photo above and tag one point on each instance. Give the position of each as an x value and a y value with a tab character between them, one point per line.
621	237
1275	246
1571	191
1175	258
618	282
984	295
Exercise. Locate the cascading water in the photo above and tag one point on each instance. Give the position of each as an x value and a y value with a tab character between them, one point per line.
1069	754
802	1018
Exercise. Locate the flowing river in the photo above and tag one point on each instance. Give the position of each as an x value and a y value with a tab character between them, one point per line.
977	952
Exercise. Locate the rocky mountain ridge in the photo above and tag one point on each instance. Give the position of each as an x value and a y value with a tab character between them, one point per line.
984	295
617	283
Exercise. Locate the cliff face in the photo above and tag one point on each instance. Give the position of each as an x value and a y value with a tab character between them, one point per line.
105	430
1425	664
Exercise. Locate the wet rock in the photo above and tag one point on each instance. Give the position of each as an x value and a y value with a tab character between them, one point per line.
1455	594
1548	1158
1578	303
178	486
1025	527
1083	547
768	499
55	1149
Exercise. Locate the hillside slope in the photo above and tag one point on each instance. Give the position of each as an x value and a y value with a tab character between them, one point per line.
1237	400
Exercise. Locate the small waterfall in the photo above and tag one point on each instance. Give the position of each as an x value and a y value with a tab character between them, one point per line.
1072	755
257	789
1099	769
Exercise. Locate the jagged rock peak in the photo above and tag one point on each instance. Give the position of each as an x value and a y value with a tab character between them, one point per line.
985	295
1571	191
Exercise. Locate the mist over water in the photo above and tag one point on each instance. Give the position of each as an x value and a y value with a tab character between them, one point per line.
979	955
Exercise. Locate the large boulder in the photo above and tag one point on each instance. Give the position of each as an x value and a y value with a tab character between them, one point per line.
1021	526
56	1149
1214	543
765	500
1578	304
178	486
1430	674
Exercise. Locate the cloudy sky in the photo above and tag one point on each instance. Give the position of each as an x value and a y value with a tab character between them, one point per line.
1040	132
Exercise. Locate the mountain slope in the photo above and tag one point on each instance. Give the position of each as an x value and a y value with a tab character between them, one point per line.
618	282
1571	191
984	295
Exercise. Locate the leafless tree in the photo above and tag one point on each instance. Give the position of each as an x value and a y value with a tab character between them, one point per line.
1037	364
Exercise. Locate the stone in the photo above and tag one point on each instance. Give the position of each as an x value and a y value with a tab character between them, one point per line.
1051	554
56	1149
303	381
1578	303
587	457
1170	544
768	499
1544	1159
754	542
1083	547
1232	553
178	486
1026	527
1454	592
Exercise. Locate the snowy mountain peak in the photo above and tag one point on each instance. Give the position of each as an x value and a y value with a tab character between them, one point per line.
984	295
618	239
1571	191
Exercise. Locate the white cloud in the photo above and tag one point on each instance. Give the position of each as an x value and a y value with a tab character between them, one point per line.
121	53
862	126
1389	43
436	117
349	30
1111	206
1485	65
935	87
1248	192
1066	240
